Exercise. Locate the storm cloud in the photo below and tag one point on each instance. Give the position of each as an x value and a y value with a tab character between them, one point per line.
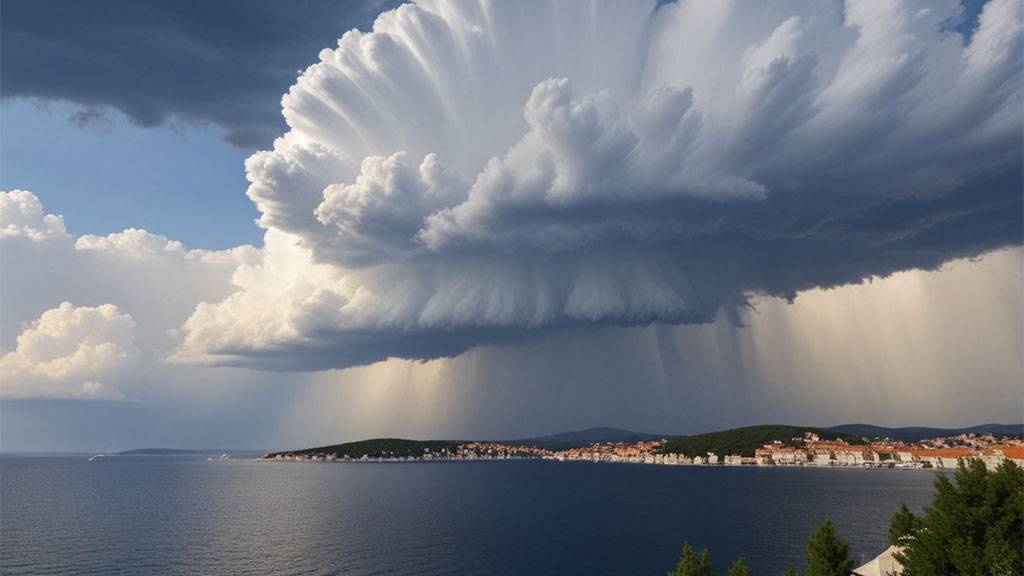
222	63
478	173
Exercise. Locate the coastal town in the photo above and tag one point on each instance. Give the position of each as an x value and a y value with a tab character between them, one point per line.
807	450
810	450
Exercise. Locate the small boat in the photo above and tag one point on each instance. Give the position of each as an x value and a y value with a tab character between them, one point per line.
96	457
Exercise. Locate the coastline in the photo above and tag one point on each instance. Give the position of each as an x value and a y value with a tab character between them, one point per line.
591	461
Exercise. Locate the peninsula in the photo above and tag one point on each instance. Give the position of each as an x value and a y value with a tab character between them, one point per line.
768	445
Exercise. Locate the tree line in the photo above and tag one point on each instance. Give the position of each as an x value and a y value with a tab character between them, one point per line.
744	441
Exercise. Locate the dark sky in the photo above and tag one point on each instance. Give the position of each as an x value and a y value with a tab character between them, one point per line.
226	63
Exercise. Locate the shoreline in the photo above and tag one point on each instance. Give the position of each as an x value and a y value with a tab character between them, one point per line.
294	460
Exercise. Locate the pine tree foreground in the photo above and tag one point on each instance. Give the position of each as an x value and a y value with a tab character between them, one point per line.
693	564
974	526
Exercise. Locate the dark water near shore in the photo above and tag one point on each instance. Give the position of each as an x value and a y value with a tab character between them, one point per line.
183	515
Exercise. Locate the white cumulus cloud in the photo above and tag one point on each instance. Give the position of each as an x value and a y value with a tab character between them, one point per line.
22	216
71	352
156	280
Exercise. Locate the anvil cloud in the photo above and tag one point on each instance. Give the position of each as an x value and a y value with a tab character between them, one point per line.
476	172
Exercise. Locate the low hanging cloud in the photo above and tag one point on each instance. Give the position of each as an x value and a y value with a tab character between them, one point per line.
71	353
478	173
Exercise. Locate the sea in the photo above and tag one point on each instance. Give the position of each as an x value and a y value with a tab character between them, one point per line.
155	515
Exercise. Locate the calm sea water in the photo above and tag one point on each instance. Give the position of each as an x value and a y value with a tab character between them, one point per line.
183	515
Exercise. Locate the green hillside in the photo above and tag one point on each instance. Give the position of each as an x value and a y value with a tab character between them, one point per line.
744	441
378	448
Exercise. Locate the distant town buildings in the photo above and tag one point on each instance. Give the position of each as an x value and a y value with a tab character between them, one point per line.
942	453
806	451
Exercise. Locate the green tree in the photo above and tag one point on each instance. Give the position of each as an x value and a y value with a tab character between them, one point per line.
739	568
903	526
973	526
693	564
827	555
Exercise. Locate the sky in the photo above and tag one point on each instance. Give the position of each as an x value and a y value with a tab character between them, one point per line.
264	225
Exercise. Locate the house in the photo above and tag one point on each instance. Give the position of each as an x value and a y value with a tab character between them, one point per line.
994	456
1015	453
764	456
885	564
944	458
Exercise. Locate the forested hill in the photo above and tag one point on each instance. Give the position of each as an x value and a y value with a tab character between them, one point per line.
401	448
744	441
378	448
741	441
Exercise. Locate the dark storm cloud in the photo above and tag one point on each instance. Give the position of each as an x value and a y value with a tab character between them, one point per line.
225	62
710	272
475	173
469	174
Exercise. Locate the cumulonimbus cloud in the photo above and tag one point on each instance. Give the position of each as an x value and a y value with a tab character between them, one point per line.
484	172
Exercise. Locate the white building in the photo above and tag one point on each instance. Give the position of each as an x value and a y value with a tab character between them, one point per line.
885	564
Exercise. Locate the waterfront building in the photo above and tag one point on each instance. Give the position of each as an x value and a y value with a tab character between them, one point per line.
994	456
943	458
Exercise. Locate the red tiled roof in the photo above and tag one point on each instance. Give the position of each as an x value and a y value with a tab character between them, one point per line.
943	452
1012	451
